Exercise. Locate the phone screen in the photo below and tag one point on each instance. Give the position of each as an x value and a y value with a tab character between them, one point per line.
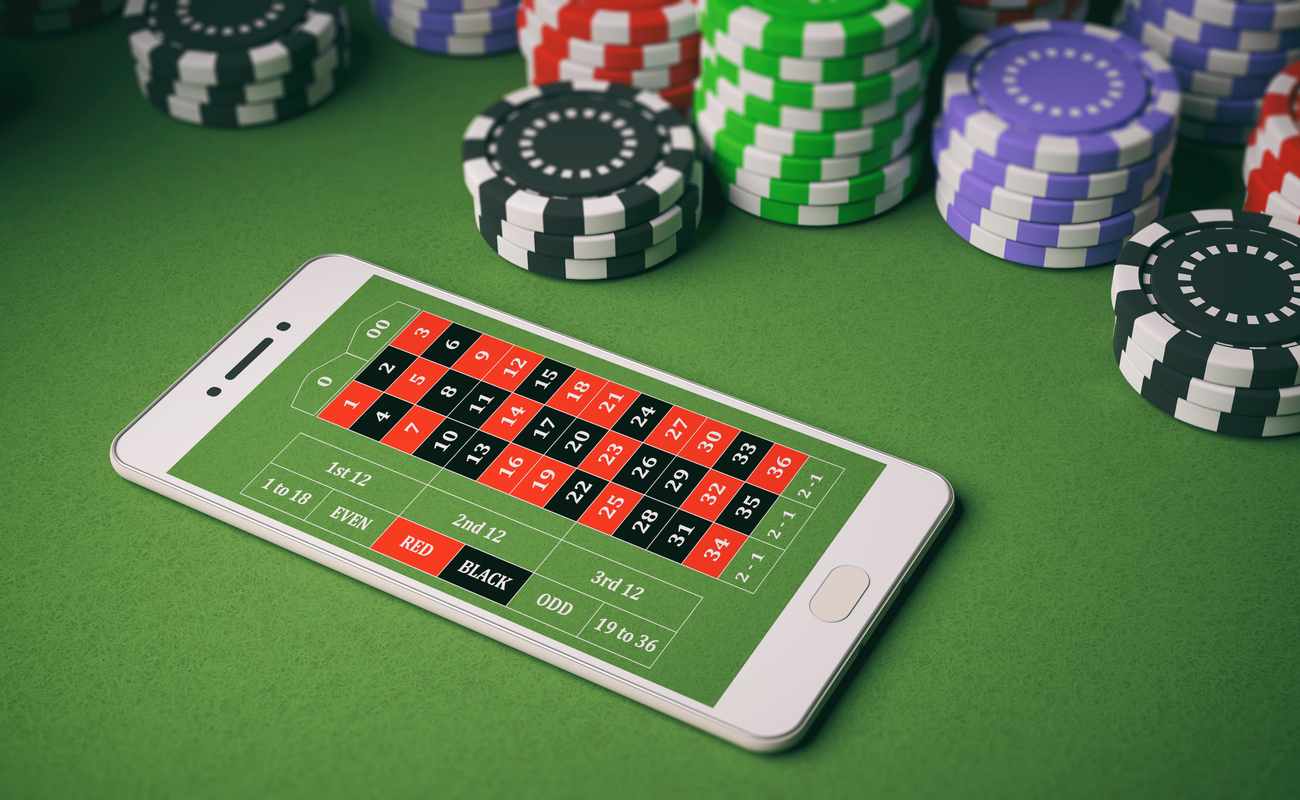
641	523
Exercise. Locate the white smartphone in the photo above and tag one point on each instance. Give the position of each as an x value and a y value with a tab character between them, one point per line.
698	554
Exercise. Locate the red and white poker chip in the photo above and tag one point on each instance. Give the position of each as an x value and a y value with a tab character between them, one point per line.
616	56
586	19
1271	167
547	66
1267	199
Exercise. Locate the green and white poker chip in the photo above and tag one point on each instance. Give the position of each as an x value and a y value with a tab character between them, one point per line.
819	216
793	118
825	29
793	168
819	70
879	88
805	144
858	189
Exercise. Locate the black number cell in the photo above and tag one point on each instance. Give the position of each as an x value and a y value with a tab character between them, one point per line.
544	380
644	523
447	393
544	430
677	482
578	492
478	404
746	509
386	368
577	441
451	345
380	418
640	471
477	455
445	441
679	536
485	575
640	420
743	455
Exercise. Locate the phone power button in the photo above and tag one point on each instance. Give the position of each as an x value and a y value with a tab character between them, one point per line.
839	593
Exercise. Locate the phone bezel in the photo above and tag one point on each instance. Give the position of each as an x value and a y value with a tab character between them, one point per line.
773	697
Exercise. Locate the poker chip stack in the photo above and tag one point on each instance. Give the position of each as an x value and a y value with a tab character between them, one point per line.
1224	53
809	111
238	63
583	180
1206	320
53	16
1055	142
451	27
646	44
1272	165
985	15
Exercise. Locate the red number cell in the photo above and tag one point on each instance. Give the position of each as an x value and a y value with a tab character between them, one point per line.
610	509
412	429
509	468
542	481
711	439
511	370
714	552
609	455
608	405
674	430
511	417
349	404
416	380
576	393
416	546
482	356
711	495
417	336
777	468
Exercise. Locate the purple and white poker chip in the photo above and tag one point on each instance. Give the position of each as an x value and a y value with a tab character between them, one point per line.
1055	185
1037	209
1272	16
1083	234
1060	96
1211	35
1030	255
1190	55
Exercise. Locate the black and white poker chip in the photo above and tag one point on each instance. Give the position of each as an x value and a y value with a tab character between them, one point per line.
577	157
1132	366
221	42
1215	295
1213	396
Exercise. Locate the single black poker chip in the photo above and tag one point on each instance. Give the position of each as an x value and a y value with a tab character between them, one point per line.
1215	295
217	42
578	158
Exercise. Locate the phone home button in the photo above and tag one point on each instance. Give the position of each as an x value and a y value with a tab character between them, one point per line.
839	593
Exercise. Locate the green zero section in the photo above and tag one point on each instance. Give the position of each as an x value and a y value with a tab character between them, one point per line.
555	604
620	585
487	520
349	473
351	519
373	333
623	604
321	384
627	635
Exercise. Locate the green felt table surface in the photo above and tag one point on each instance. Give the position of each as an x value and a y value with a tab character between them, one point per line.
1114	609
